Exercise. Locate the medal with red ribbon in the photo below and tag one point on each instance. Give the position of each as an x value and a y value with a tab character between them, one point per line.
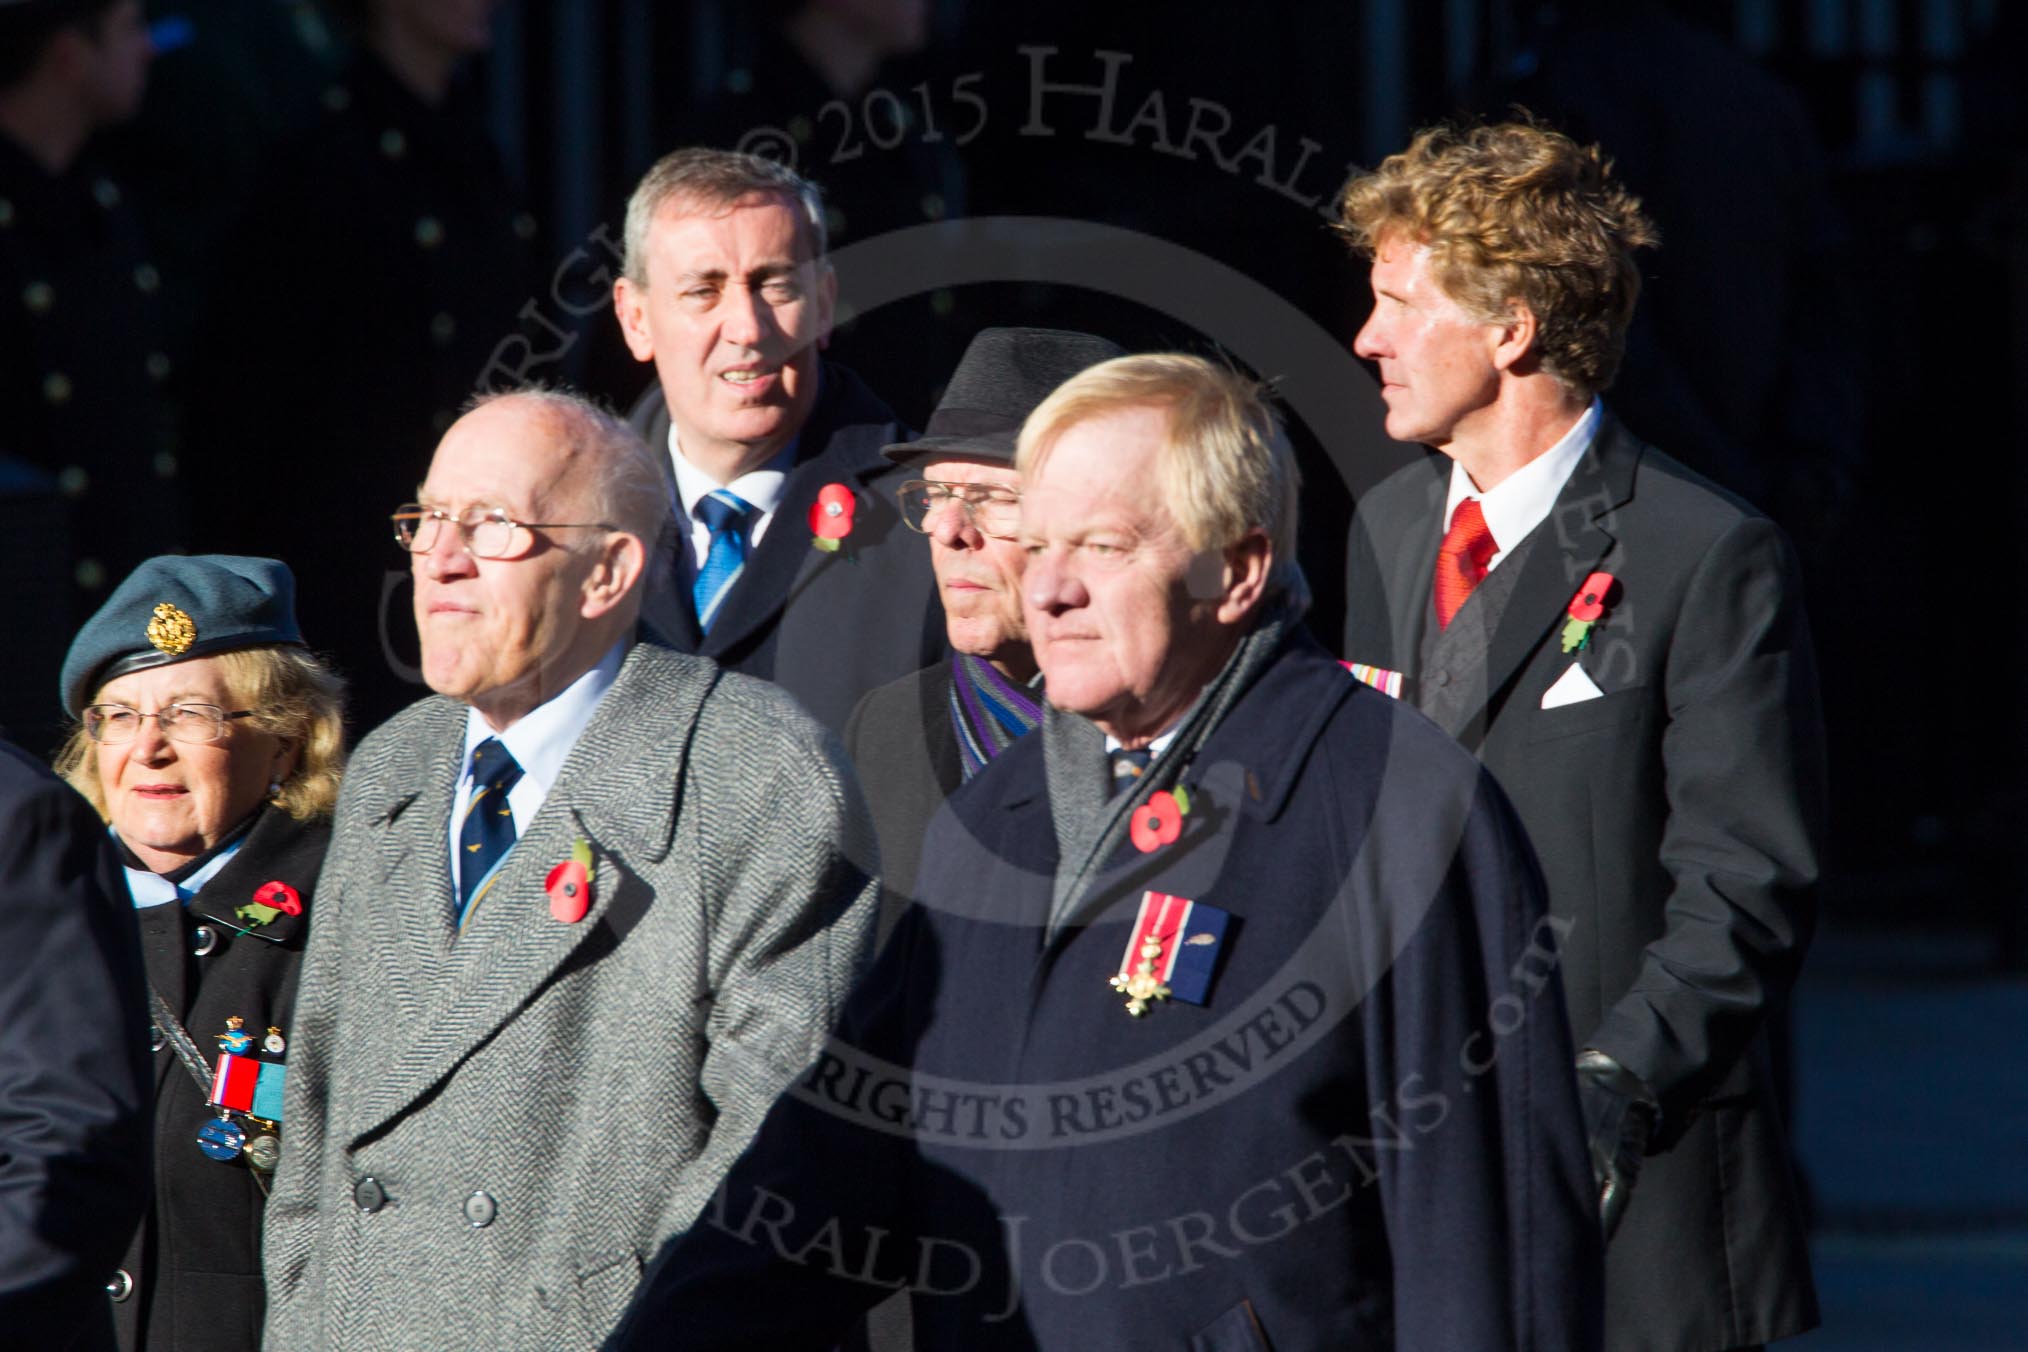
1171	953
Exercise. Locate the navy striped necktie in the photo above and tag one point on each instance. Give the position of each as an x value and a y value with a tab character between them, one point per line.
487	833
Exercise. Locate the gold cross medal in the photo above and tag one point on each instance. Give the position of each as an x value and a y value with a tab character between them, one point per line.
1172	952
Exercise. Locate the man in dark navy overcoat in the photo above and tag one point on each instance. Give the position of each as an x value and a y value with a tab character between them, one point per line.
74	1082
1228	1017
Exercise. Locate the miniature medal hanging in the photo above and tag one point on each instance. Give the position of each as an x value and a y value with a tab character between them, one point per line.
247	1091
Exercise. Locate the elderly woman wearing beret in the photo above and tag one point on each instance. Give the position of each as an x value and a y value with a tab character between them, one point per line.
211	740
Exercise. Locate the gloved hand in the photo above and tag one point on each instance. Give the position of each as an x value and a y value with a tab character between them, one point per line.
1619	1118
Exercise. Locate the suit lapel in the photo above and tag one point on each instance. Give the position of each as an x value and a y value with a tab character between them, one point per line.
780	566
414	900
940	739
840	443
1567	547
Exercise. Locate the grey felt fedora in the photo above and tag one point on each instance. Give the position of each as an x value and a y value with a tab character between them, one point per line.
1003	375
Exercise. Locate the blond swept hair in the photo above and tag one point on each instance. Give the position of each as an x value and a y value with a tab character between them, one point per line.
292	695
1514	212
1226	468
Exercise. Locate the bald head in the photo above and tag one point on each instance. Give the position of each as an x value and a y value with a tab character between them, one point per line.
574	502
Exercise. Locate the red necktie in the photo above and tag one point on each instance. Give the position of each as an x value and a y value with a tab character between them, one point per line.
1461	561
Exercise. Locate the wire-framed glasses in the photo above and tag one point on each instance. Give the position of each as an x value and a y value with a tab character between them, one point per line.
992	509
197	723
488	532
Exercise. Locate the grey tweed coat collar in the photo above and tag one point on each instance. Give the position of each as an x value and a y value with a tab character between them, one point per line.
447	990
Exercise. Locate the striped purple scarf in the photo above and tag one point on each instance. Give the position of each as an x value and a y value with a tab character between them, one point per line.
988	711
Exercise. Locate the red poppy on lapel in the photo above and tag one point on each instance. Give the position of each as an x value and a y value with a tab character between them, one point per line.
831	516
280	896
569	888
1587	608
1157	822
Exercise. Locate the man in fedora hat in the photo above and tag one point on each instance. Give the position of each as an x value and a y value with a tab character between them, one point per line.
916	739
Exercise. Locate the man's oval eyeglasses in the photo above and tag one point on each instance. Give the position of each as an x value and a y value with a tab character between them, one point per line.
488	532
991	509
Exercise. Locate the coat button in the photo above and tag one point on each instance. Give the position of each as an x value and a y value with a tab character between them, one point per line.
121	1286
157	1039
480	1210
203	939
368	1195
1442	678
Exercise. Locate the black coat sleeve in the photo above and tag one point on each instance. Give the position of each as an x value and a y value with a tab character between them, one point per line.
74	1092
1743	762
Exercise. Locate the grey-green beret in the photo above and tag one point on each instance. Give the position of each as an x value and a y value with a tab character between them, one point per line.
178	606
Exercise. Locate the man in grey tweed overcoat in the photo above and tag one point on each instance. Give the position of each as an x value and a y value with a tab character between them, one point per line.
587	909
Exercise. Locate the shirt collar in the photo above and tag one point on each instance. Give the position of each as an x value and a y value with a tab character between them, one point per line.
762	488
1156	746
152	889
1520	502
540	741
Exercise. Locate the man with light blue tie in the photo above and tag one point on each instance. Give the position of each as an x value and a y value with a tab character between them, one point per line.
790	560
586	910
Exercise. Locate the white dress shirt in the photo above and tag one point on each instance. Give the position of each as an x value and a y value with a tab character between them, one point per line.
1522	499
1155	747
152	889
540	743
762	488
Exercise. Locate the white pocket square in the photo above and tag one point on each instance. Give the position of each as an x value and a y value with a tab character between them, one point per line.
1572	687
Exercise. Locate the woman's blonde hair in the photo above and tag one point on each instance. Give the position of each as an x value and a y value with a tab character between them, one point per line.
292	694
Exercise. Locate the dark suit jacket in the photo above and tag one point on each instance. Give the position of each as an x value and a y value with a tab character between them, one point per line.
826	627
197	1261
1678	819
906	752
1339	1150
73	1063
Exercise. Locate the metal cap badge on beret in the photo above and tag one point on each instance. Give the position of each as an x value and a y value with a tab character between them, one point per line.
1003	375
175	607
